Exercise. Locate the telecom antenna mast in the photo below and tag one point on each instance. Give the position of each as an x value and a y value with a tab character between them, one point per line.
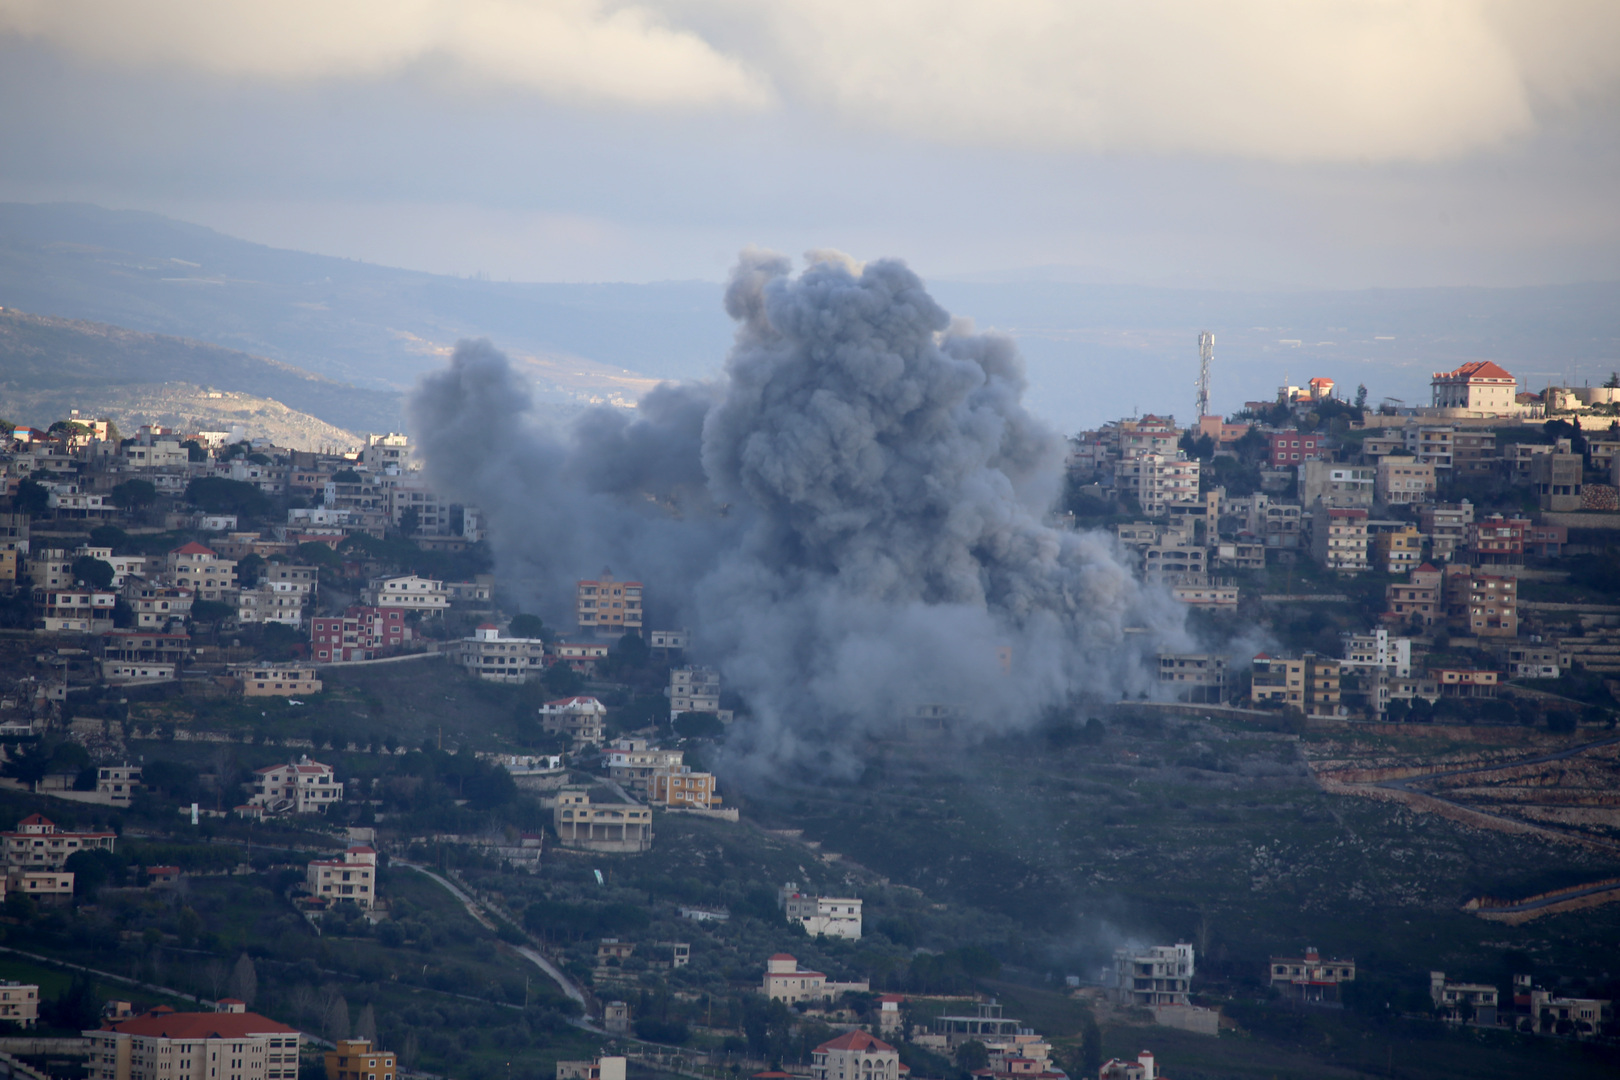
1206	353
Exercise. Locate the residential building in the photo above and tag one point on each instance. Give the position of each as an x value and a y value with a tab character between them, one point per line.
1465	682
603	1068
693	689
580	718
987	1025
1156	975
1418	600
1290	449
37	844
679	788
1546	541
1403	479
1480	388
1146	436
156	606
1279	524
301	787
1309	977
410	592
1481	604
1194	676
1473	452
1156	481
166	1045
1550	1013
632	762
1446	525
201	570
267	679
1378	650
1244	552
1215	593
19	1003
1143	1068
490	656
1309	683
607	827
360	633
1497	541
1431	446
855	1055
1557	480
1176	561
669	640
785	981
357	1059
264	603
1454	999
46	886
835	916
1535	660
1339	539
146	647
475	593
1333	484
117	784
1398	550
582	657
385	454
76	611
349	879
608	608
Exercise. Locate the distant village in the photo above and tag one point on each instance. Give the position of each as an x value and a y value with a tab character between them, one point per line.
192	564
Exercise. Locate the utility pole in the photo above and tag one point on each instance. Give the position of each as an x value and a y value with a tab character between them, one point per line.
1206	353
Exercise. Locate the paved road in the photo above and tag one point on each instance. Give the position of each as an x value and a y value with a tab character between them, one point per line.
477	911
1558	898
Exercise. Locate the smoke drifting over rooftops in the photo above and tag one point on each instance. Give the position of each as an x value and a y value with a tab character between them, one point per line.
850	521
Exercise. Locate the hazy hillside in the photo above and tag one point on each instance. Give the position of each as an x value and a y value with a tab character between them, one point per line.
1094	351
51	364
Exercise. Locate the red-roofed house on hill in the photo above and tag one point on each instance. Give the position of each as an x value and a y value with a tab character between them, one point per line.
352	878
37	844
194	1046
856	1055
302	787
1477	389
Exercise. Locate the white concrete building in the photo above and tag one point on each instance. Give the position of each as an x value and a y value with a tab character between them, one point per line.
785	981
410	592
1156	975
855	1055
304	787
835	916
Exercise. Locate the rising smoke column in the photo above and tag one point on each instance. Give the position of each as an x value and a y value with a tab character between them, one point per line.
850	523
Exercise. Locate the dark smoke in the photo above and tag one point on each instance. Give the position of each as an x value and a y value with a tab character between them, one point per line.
850	522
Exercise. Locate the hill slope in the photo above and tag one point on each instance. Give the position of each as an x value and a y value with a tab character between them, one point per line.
48	364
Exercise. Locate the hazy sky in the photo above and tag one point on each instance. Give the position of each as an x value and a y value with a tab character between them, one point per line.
1240	142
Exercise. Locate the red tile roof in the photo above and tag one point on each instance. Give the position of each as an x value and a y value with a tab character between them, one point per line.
785	956
198	1025
37	819
193	548
858	1041
1480	369
577	700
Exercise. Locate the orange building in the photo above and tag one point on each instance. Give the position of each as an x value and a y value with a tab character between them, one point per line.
607	607
355	1059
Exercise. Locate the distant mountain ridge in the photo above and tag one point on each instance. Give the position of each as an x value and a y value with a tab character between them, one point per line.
48	359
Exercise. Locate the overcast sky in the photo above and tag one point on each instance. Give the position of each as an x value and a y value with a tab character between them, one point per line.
1233	143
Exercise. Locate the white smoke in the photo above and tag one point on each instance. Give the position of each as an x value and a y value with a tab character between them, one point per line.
850	523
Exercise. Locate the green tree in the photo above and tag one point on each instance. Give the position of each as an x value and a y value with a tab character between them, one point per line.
194	451
526	626
216	495
249	568
562	680
93	572
973	1055
32	498
134	495
110	536
410	522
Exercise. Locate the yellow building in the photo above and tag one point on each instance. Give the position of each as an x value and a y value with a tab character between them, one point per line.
277	680
679	787
1310	683
355	1059
1399	551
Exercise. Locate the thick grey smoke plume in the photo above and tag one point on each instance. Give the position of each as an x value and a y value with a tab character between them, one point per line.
850	523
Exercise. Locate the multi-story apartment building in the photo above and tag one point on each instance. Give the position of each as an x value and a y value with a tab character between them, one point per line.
118	783
1451	997
1497	541
1196	676
490	656
1156	481
1309	683
581	656
357	1059
1279	524
1431	446
1419	599
1557	479
1473	452
1402	479
1339	538
79	611
301	787
360	633
1157	975
606	607
19	1003
156	606
1446	526
1378	650
835	916
1333	484
146	647
350	879
1289	448
1176	561
410	593
787	982
693	689
264	603
165	1045
1310	977
201	570
1481	388
37	844
632	763
581	718
678	787
1398	550
1481	604
1149	435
